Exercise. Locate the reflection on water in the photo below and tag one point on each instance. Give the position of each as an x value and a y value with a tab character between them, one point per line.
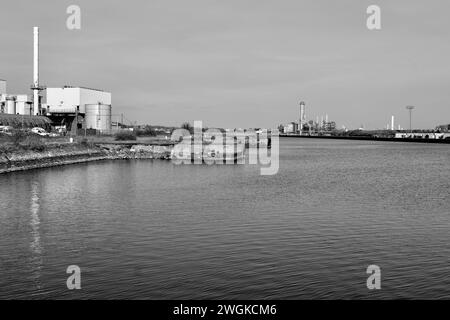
153	230
35	246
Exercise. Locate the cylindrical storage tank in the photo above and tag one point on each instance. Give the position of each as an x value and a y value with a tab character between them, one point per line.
98	116
10	105
23	108
28	109
19	107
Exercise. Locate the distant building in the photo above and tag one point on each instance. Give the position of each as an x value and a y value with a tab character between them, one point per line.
69	99
329	126
92	105
443	128
291	128
422	135
14	103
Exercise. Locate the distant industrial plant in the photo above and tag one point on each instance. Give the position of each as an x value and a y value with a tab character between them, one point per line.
304	127
326	128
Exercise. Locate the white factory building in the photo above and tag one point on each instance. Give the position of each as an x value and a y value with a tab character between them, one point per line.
92	104
71	107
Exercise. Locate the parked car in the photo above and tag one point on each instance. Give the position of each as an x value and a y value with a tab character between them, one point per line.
6	130
60	129
40	132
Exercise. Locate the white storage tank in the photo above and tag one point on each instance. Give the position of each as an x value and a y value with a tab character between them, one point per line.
25	108
10	105
98	116
24	105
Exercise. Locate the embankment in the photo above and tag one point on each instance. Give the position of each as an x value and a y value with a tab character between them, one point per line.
367	138
64	154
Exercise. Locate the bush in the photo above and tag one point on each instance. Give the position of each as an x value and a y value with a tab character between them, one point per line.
125	136
187	126
147	132
34	143
18	136
7	148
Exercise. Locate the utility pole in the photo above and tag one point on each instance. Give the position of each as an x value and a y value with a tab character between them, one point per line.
410	108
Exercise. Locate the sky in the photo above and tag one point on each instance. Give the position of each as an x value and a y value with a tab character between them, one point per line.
240	63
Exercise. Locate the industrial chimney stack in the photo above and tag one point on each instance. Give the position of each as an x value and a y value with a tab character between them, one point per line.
36	88
302	119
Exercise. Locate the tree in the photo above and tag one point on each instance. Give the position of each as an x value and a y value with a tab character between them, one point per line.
187	126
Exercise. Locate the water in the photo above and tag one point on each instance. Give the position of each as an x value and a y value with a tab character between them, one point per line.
153	230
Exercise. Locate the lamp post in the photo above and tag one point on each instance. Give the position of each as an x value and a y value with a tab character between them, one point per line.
410	108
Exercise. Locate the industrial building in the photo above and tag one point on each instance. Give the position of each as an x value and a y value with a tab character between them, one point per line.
304	127
290	128
91	108
443	128
86	108
14	103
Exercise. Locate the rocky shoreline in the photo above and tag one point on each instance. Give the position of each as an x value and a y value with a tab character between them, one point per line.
77	153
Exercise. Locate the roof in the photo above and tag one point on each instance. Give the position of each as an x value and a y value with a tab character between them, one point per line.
74	87
15	120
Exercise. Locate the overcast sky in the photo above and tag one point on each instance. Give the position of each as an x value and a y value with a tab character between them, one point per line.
240	63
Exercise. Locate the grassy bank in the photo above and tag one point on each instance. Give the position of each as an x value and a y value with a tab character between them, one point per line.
32	152
17	159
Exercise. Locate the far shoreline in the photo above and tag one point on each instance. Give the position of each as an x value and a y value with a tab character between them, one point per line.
359	138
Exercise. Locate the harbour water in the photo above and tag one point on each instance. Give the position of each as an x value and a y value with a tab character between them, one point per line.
153	230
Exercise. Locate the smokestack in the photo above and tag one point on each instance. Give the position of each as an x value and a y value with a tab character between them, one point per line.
36	106
393	123
302	116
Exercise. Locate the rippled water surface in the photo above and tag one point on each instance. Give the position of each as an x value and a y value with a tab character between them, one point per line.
153	230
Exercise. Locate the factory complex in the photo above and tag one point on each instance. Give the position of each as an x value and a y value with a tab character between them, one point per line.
69	108
304	127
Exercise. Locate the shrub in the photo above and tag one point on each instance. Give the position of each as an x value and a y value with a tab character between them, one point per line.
147	131
187	126
18	136
34	143
7	148
125	136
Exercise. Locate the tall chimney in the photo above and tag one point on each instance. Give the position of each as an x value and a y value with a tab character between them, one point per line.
36	106
393	123
302	117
